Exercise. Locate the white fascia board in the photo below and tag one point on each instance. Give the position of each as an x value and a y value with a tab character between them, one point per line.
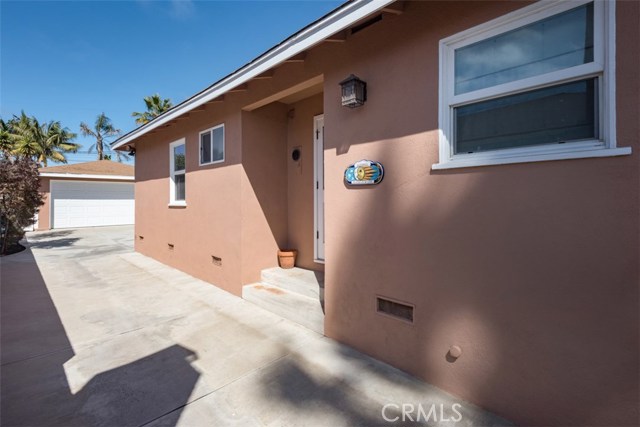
87	176
340	20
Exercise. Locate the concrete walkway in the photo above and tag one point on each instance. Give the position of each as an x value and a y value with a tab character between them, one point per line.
93	334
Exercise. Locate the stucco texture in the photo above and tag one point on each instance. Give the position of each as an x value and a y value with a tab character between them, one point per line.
531	269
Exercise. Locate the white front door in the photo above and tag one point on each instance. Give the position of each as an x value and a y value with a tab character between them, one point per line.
318	189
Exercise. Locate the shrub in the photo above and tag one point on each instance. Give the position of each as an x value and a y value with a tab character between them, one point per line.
20	198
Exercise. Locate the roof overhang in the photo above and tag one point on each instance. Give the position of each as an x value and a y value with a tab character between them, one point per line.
336	21
87	176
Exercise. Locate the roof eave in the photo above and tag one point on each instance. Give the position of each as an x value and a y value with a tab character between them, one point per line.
335	22
87	176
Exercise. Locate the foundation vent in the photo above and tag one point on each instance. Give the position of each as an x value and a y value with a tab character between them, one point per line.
395	309
216	260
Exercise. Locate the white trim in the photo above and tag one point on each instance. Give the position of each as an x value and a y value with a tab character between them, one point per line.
531	83
177	204
318	176
210	131
51	203
87	176
337	21
587	154
535	12
603	68
173	173
609	79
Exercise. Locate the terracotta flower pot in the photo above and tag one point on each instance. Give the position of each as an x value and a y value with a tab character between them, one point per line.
287	258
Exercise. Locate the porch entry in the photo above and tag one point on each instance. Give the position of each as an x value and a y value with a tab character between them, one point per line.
318	189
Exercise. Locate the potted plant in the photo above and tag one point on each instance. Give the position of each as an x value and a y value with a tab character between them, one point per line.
287	258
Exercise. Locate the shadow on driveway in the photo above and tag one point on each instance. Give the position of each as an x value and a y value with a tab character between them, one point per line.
54	243
290	384
52	239
34	390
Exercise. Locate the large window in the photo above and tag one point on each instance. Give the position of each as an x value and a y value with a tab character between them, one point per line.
212	145
533	85
177	168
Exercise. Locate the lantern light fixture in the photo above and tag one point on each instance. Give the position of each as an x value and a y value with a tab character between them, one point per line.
354	92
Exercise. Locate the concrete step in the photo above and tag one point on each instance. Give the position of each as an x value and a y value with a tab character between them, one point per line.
292	306
298	280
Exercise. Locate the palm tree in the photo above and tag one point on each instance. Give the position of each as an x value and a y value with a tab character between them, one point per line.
155	106
42	142
6	139
25	131
102	130
56	142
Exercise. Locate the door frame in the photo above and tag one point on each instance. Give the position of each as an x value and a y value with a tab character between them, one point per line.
318	176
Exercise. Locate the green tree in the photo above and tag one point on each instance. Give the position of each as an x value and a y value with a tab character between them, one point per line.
56	142
24	131
20	198
6	139
102	131
155	106
26	136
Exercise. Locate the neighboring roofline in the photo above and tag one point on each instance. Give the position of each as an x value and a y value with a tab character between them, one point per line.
87	176
335	21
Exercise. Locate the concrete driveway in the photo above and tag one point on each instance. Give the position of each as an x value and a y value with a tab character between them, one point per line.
94	334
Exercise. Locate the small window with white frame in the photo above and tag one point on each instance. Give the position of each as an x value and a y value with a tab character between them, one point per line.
212	145
177	169
536	84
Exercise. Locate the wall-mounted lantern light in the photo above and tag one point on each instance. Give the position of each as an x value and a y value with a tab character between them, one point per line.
354	92
132	151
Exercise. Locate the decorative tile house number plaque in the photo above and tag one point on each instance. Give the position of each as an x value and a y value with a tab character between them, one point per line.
364	172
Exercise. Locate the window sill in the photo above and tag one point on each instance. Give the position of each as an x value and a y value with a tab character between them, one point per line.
177	205
538	157
217	162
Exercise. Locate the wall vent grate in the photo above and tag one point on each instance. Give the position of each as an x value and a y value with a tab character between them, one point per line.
394	309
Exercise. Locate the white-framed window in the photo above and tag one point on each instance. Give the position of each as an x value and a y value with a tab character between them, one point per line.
212	145
177	168
536	84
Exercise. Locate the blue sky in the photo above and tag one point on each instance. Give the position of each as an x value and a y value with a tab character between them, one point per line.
71	60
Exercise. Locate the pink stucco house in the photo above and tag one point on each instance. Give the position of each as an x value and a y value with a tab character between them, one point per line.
498	257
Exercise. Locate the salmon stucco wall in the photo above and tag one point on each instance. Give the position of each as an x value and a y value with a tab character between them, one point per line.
264	188
209	226
301	174
277	192
532	269
44	213
237	210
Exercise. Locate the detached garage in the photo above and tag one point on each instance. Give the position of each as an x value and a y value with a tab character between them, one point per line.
89	194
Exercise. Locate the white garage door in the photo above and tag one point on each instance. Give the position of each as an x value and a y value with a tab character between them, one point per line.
91	204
